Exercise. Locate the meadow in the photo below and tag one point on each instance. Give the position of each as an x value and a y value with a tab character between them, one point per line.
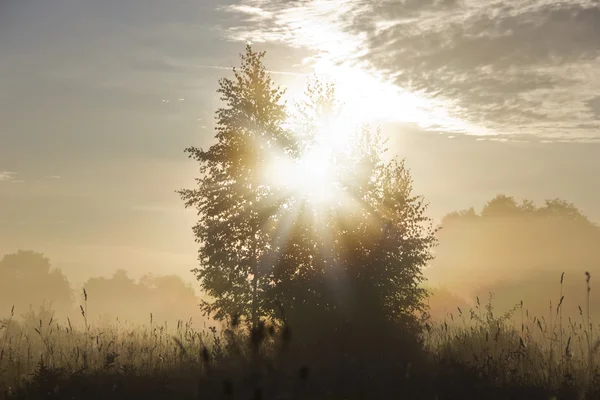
472	353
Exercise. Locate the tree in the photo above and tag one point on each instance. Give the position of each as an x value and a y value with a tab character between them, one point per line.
353	264
232	201
517	250
28	279
166	297
563	209
500	206
361	262
264	248
359	257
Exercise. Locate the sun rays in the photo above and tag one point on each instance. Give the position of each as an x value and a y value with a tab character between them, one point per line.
314	175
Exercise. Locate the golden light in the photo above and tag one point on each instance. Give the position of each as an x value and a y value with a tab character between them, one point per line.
367	98
371	94
313	176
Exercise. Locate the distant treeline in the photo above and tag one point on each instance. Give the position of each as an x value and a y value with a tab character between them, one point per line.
29	286
518	251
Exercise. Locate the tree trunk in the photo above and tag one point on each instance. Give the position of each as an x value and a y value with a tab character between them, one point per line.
254	284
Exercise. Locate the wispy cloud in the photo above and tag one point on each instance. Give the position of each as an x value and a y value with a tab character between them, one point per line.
338	54
193	66
7	176
516	67
256	12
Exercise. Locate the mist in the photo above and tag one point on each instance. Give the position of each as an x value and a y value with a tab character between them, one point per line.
520	252
515	250
32	290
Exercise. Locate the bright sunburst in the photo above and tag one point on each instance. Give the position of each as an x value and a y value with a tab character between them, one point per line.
314	175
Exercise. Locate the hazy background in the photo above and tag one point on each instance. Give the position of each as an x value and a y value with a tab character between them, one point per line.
99	99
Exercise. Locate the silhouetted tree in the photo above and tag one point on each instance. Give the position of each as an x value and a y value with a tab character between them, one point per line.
27	279
500	205
231	198
565	210
167	297
359	258
264	248
346	271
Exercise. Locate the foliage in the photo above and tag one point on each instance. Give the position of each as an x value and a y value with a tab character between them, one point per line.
231	199
167	298
358	258
266	252
516	249
27	279
517	347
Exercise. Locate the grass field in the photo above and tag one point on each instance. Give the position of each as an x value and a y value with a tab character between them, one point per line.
472	354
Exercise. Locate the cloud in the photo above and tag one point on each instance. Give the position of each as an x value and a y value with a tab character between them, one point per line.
519	67
594	106
257	13
7	176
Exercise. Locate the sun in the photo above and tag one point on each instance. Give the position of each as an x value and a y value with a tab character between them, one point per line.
314	176
309	178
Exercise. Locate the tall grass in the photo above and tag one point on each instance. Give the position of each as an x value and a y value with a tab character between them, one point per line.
535	350
512	353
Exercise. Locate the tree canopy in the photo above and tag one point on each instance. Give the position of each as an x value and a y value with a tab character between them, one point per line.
167	297
231	199
28	279
265	247
518	250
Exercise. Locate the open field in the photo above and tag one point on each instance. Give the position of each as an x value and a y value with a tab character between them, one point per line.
472	354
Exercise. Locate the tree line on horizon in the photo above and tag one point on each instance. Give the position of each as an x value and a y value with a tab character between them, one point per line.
518	251
30	287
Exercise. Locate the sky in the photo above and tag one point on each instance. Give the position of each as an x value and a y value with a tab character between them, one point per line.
99	99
